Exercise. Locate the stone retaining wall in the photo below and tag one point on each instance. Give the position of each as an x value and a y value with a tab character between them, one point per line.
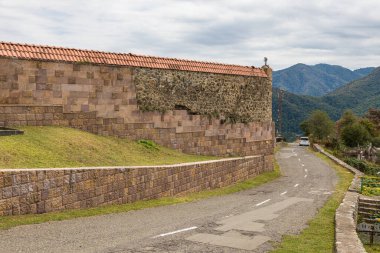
346	238
32	191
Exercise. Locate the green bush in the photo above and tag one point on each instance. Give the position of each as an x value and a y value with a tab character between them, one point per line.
355	135
148	144
376	141
363	166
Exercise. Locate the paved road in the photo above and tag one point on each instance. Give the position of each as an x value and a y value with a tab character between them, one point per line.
247	221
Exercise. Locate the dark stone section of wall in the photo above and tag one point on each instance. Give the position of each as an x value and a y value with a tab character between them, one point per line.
47	190
230	98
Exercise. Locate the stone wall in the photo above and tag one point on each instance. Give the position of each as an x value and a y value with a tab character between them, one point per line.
200	113
227	97
46	190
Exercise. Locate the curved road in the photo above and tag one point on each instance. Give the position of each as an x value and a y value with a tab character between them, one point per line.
247	221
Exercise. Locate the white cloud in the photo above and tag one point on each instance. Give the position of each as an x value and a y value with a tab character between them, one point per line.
343	32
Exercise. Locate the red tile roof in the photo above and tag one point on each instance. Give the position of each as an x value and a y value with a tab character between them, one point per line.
37	52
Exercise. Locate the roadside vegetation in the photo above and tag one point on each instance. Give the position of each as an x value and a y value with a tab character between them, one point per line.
52	147
355	140
372	249
319	235
12	221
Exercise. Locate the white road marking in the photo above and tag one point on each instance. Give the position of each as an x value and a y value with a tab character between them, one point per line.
306	170
305	176
302	165
175	232
296	185
299	159
265	201
283	193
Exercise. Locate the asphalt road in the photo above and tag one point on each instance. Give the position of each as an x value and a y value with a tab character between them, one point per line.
247	221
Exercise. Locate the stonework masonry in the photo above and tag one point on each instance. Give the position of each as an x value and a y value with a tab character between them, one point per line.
36	191
195	107
195	112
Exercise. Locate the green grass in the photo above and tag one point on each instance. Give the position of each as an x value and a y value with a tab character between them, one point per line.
49	147
12	221
372	249
319	235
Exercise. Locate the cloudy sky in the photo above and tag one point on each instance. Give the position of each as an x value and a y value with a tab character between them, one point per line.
343	32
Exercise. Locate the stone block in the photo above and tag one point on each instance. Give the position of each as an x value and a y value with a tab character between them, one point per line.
59	73
90	75
76	67
71	80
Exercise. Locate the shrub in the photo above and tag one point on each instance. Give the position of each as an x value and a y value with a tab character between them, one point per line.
376	141
363	166
148	144
355	135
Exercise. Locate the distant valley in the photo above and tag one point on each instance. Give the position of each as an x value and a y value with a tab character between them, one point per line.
358	95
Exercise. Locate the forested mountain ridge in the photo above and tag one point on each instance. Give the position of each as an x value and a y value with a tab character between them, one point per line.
358	95
315	80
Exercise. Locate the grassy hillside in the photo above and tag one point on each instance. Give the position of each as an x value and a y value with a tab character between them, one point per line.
316	80
48	147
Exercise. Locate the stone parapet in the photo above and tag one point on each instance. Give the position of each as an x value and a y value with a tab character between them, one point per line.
346	238
33	191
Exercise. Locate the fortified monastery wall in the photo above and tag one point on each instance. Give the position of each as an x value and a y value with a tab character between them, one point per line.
196	107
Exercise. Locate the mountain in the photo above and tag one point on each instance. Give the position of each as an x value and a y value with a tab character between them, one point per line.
358	95
364	71
315	80
295	109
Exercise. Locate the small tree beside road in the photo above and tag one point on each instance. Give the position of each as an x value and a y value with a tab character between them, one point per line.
318	125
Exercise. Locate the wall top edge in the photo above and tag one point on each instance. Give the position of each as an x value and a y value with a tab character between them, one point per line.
132	167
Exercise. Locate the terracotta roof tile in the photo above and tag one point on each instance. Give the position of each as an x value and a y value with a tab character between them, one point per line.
38	52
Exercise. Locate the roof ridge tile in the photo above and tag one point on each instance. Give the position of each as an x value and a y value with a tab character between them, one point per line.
45	52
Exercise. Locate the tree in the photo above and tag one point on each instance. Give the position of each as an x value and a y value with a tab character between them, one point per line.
355	135
319	125
348	118
374	115
305	127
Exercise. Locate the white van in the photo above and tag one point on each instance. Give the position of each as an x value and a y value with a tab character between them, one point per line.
304	141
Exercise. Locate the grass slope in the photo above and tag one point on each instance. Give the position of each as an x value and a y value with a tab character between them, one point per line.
319	236
45	147
372	248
